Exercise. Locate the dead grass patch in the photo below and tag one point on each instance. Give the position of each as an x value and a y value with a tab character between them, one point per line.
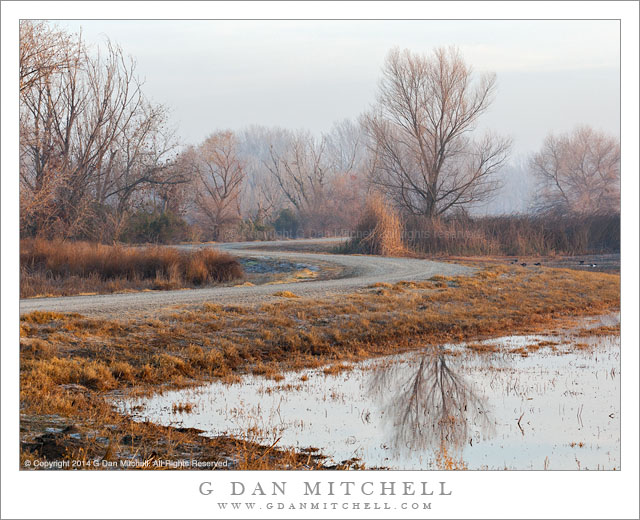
604	330
336	369
484	348
65	268
286	294
546	343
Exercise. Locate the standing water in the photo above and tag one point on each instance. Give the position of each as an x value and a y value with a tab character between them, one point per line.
516	402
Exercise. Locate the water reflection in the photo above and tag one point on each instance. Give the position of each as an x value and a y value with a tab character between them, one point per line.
431	407
451	409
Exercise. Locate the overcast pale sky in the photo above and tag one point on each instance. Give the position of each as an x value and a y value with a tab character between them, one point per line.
552	75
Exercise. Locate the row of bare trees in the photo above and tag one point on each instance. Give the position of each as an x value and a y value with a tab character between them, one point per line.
251	177
94	151
418	146
91	144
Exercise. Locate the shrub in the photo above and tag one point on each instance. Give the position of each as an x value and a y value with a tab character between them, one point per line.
287	223
156	227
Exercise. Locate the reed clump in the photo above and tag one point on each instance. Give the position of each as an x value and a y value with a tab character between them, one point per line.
378	232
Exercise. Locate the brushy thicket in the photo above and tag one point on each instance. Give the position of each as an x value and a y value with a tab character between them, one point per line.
378	232
58	260
381	231
515	235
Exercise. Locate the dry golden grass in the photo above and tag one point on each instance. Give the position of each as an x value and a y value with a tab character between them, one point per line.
336	369
546	343
63	268
69	361
445	461
286	294
482	347
603	330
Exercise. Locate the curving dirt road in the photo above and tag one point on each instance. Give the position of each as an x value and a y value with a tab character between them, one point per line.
361	271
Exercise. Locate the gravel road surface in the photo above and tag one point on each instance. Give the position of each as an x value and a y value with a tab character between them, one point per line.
360	271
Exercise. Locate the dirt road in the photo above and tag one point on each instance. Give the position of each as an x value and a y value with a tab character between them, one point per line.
360	271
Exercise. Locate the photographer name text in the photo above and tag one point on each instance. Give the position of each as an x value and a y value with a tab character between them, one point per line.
342	488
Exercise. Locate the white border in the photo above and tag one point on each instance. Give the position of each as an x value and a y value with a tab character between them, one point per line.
175	494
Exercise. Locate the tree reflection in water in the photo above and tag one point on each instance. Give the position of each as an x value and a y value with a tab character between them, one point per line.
430	408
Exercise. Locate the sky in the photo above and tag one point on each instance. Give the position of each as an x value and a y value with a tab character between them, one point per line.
552	75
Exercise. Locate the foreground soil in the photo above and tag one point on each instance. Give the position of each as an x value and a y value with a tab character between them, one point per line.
71	364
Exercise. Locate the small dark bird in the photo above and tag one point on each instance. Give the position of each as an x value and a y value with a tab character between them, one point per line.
594	265
581	262
537	263
523	264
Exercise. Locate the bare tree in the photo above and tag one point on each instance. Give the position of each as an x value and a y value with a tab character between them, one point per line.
351	162
579	173
420	132
45	55
219	173
301	171
262	197
89	138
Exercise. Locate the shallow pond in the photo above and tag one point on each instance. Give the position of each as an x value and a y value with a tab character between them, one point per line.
517	402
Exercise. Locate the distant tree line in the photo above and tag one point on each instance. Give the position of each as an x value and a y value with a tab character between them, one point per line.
100	161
